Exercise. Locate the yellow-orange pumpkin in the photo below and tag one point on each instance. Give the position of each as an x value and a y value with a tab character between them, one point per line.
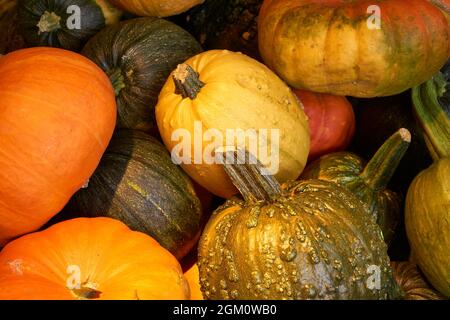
156	8
89	258
57	115
193	277
220	94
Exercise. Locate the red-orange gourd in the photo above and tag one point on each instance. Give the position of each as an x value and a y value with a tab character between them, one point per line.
89	258
57	115
331	120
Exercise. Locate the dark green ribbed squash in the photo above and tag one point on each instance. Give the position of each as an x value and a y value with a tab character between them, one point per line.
225	24
52	22
10	37
137	183
368	181
427	211
302	240
413	284
139	55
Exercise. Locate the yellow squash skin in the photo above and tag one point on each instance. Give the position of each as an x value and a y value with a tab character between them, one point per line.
193	278
326	45
239	93
156	8
428	223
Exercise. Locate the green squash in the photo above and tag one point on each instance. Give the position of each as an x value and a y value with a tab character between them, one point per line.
368	181
10	37
302	240
137	183
427	214
64	24
376	119
224	24
139	55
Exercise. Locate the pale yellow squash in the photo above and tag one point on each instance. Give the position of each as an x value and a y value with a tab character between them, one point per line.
225	91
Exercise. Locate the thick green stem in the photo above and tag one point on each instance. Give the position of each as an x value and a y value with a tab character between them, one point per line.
431	115
248	174
49	22
117	80
383	164
187	81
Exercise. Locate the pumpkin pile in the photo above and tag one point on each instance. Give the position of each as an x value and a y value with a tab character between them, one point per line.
212	149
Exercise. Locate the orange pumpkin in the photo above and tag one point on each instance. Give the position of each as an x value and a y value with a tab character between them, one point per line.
192	275
331	120
57	115
89	258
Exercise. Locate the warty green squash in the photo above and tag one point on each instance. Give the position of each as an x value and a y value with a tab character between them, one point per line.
303	240
137	183
368	181
64	24
138	55
427	214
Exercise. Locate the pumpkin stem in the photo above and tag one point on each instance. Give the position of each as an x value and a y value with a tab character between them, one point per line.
249	176
432	117
49	22
86	293
187	81
117	80
378	172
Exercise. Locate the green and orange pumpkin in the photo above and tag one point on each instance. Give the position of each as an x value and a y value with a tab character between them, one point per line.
363	48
